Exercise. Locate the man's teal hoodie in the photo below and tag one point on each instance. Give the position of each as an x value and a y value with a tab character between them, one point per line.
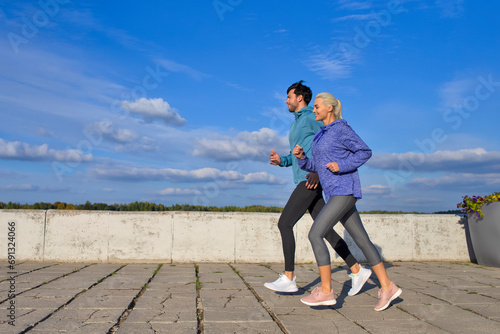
302	132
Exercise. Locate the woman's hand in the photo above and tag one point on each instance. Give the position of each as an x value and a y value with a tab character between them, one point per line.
333	166
298	152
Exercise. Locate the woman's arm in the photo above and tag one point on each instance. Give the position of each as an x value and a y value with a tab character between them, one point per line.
360	151
304	162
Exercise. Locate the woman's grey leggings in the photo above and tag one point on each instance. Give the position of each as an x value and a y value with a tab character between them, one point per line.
343	209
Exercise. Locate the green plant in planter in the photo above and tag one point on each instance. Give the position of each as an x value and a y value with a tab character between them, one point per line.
474	204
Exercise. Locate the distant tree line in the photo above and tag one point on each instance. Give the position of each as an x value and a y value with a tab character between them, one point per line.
137	206
450	212
383	212
147	206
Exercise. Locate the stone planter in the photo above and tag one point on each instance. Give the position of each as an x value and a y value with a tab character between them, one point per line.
485	235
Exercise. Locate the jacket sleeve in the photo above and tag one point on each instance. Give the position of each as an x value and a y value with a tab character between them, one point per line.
286	160
307	164
360	152
313	127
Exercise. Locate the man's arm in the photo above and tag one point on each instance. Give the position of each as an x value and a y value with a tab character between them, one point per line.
283	161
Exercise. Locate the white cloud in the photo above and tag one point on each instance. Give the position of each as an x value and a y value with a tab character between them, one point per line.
355	17
16	150
246	145
476	160
172	66
124	135
331	66
239	87
355	5
106	129
154	109
377	189
459	180
452	93
179	192
145	144
129	139
263	178
136	147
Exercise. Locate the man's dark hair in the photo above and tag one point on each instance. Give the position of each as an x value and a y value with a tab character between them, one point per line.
301	89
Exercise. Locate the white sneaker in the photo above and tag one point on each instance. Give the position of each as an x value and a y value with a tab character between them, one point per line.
282	284
358	280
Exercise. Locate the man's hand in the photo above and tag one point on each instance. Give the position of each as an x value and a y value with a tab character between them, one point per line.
275	158
298	152
312	181
333	166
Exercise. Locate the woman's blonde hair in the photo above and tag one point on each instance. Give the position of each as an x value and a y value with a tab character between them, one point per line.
329	100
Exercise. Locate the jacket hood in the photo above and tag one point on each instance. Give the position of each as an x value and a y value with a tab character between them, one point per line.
328	127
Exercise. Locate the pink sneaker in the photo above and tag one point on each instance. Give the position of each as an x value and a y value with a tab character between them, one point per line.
317	297
386	297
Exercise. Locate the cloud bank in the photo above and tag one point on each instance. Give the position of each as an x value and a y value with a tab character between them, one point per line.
179	192
16	150
476	160
126	173
246	145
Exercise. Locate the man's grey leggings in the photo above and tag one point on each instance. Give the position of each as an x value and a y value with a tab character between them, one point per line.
343	209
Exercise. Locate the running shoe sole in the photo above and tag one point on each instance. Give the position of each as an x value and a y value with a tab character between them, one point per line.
288	290
326	303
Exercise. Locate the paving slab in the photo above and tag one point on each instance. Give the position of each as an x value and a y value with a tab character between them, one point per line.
158	328
73	327
238	314
401	326
162	315
438	297
324	324
474	325
432	312
226	293
249	327
25	318
167	303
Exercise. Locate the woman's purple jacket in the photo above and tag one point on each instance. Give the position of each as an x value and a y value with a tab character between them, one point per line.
337	142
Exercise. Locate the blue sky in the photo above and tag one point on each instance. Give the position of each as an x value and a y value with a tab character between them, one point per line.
181	102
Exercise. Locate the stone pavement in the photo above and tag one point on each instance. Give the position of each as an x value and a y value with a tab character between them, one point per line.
438	297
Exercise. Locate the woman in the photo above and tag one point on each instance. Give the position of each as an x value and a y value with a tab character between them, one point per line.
307	195
337	153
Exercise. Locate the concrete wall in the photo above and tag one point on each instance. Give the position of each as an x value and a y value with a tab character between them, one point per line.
152	237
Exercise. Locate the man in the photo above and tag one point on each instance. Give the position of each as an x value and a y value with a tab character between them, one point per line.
307	194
